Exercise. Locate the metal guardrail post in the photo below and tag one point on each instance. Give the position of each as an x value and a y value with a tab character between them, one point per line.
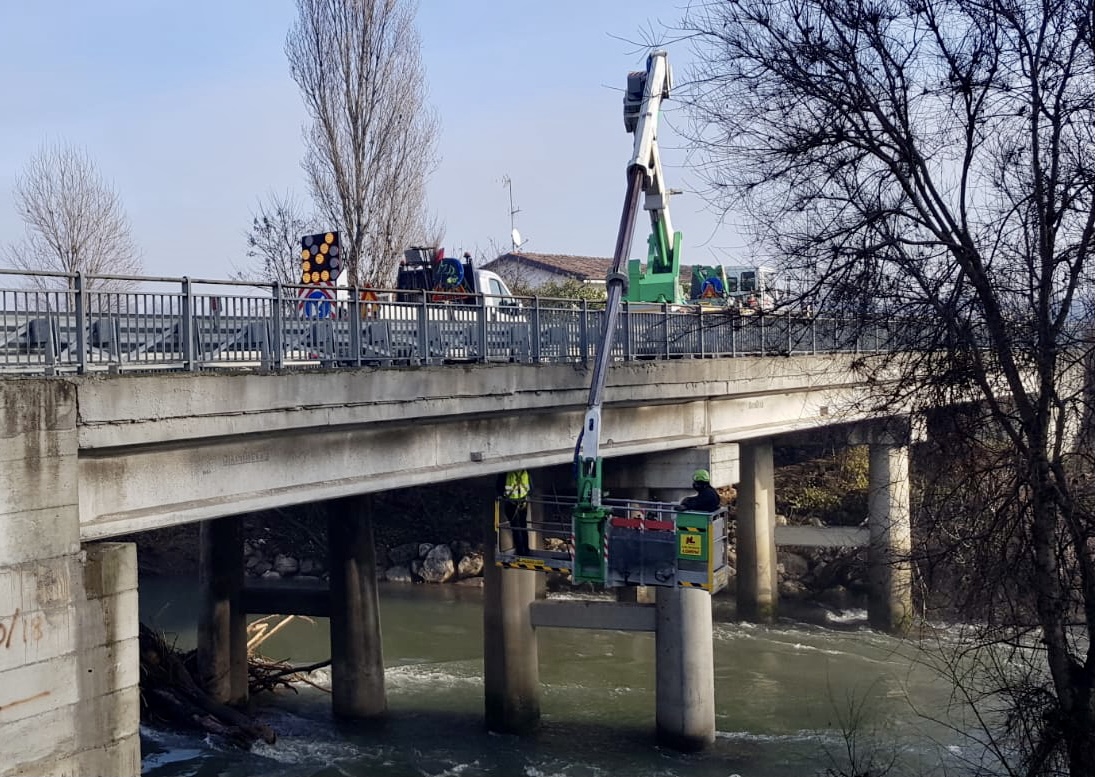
354	314
115	346
583	331
625	319
51	341
534	335
665	330
265	355
699	330
277	348
482	327
186	326
423	331
81	323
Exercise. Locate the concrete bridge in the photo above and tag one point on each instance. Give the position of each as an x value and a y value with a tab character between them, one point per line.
85	459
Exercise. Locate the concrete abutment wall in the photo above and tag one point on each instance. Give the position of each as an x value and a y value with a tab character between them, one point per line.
69	702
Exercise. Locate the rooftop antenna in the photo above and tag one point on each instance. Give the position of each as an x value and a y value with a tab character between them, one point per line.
514	235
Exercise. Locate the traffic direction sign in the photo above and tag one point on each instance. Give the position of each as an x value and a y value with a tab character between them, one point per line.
317	302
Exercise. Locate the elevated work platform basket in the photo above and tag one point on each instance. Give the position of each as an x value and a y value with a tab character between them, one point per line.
641	543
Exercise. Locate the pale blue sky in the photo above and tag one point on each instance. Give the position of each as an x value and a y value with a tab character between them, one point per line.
188	108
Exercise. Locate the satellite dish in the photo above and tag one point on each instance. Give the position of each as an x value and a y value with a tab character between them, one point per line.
515	236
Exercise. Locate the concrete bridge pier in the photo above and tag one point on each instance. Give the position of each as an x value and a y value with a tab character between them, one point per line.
685	669
357	655
222	621
511	671
758	591
889	604
666	476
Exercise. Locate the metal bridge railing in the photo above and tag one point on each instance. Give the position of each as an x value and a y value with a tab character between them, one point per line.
62	324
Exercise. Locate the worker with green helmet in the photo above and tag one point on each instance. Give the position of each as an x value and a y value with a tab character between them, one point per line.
706	499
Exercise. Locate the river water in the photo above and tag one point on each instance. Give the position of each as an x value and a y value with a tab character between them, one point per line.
784	697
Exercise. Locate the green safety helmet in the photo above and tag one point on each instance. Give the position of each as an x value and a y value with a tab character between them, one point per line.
701	476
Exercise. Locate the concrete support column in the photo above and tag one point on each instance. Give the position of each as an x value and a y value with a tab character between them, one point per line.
666	472
511	671
758	592
357	655
889	605
685	669
222	622
108	665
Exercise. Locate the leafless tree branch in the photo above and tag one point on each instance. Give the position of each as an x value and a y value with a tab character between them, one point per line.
75	221
371	140
929	163
273	241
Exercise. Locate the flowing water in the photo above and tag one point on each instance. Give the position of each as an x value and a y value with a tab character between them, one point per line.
785	698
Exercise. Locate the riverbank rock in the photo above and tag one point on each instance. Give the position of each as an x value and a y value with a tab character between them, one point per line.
470	565
400	573
403	554
792	565
437	566
286	566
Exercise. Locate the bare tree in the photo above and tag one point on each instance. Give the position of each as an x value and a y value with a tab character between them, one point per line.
273	242
75	221
371	143
932	159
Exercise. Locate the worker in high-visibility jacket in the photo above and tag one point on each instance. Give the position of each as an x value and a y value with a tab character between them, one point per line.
514	488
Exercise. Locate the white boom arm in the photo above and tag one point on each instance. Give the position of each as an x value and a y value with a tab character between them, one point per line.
642	103
642	119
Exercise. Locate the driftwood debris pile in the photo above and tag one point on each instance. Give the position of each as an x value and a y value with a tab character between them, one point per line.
170	694
264	674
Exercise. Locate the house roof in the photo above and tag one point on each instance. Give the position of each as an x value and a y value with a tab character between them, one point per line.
584	268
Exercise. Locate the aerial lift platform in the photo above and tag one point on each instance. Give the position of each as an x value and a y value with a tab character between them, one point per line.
627	543
643	543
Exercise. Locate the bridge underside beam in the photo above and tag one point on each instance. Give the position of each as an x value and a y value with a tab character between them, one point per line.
243	443
611	616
